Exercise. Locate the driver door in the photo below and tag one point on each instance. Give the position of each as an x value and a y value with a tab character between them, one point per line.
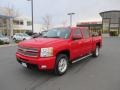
77	45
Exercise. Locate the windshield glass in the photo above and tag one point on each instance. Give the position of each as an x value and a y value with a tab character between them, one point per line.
57	33
24	35
21	34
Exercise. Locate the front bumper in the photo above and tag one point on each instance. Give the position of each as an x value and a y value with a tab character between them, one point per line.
42	63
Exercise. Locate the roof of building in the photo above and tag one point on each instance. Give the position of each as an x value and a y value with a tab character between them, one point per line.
4	16
22	18
110	11
88	23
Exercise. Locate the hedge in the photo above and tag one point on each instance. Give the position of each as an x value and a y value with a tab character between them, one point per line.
1	42
114	33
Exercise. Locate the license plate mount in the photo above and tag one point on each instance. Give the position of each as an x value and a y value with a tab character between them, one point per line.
24	64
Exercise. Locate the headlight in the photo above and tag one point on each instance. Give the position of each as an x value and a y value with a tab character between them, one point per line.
46	52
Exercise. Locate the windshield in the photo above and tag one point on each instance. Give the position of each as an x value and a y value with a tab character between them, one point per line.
24	35
57	33
21	34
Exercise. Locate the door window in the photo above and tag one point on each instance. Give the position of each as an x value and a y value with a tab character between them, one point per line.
85	33
77	32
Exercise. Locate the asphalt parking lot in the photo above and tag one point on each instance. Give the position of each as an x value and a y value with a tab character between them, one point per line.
102	73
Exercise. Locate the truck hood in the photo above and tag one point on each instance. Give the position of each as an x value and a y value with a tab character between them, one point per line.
41	42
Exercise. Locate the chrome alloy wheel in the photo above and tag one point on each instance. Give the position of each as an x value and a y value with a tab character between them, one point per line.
97	51
62	65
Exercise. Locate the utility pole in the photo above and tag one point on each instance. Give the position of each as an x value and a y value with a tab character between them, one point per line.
32	14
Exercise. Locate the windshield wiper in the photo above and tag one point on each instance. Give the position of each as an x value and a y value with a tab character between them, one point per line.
45	36
55	37
51	37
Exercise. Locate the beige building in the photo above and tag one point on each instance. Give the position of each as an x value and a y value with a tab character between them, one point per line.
22	24
6	25
9	25
111	21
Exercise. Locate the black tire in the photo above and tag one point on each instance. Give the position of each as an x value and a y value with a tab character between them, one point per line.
96	52
14	39
59	59
24	39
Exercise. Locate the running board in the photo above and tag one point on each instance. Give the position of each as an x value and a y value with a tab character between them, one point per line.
81	58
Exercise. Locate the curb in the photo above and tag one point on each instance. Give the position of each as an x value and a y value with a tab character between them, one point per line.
10	45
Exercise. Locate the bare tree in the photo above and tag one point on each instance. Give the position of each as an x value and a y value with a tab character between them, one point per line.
47	20
9	11
12	12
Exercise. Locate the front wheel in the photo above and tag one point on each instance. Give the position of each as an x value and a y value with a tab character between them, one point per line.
24	39
14	39
96	52
61	64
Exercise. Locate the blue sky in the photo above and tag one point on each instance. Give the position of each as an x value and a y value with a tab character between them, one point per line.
86	10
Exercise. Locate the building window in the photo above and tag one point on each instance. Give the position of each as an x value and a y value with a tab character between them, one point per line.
106	26
114	25
3	22
21	22
17	22
29	23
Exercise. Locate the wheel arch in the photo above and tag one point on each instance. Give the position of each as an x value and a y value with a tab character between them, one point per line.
98	44
66	52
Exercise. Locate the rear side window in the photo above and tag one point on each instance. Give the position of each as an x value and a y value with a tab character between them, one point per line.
77	32
86	33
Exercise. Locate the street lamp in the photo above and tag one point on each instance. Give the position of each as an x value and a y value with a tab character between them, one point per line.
32	14
70	14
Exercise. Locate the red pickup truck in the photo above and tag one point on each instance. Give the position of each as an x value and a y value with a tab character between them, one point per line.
58	48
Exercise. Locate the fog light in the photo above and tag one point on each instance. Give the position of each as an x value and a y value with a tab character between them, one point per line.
43	66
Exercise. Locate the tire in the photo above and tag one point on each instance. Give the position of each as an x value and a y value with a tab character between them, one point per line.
14	39
96	52
61	64
24	39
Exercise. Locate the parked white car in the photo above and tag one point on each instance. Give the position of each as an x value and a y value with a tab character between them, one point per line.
21	36
4	38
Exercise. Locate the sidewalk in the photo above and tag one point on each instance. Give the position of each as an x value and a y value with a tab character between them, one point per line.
7	45
107	35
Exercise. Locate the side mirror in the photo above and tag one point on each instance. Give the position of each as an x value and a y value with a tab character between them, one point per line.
76	37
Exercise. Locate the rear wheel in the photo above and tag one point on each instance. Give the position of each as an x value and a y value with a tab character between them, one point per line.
96	52
61	64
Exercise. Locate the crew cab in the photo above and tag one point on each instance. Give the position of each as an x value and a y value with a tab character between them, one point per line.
58	48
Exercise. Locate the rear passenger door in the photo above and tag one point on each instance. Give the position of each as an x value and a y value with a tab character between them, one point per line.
87	41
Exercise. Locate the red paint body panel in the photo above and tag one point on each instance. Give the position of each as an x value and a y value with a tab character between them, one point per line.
49	62
76	48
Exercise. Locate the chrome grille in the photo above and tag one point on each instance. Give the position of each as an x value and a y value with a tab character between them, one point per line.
32	52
